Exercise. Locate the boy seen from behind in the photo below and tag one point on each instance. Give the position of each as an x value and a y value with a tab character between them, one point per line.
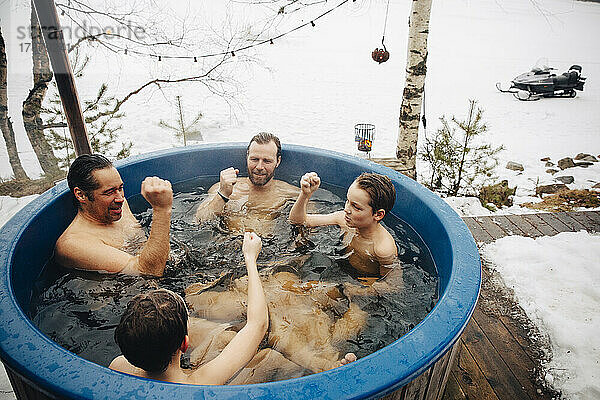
153	333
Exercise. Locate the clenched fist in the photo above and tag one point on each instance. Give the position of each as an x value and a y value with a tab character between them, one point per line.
158	192
309	183
227	179
251	246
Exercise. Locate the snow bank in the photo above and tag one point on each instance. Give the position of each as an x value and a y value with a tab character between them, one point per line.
10	205
557	282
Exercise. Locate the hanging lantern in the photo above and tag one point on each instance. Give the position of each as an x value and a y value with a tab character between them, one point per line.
380	55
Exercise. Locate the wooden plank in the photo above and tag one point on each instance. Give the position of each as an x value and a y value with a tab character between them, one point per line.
572	223
594	217
416	389
540	225
556	224
452	354
498	374
398	394
437	375
528	229
470	378
453	390
508	227
521	335
478	233
511	352
585	221
488	225
392	163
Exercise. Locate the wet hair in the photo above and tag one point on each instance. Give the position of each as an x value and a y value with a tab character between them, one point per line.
264	138
152	328
80	173
380	189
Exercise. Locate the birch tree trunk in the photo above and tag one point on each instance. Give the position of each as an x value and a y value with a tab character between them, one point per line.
416	68
5	124
32	106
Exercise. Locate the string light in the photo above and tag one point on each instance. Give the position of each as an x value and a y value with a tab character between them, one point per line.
270	41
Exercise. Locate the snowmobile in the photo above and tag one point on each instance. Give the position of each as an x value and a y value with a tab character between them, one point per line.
544	82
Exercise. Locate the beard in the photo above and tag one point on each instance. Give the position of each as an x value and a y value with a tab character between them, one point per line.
260	180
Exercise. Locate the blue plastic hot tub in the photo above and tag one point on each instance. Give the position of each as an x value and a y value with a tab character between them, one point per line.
38	366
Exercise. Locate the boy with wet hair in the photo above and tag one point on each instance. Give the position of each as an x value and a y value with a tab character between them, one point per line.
372	248
153	333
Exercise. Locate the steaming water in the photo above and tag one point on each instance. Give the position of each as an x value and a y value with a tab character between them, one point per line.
79	310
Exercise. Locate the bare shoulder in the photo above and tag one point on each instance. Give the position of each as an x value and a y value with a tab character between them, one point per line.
74	234
214	188
385	247
288	189
71	244
121	364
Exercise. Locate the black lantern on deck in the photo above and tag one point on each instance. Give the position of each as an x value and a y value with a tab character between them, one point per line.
363	136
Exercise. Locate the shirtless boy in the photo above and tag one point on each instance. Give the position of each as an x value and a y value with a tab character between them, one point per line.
104	226
369	198
159	320
252	202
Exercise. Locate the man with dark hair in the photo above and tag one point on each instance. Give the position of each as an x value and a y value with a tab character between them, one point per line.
104	226
372	248
153	333
253	199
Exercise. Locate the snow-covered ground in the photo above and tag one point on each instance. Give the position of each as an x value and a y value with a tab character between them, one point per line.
556	281
313	86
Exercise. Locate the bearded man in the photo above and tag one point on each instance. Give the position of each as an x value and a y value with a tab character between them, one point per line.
248	203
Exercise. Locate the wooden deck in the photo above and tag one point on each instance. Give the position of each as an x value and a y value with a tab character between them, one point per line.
496	358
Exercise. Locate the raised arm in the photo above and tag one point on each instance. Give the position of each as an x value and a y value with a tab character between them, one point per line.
86	250
153	257
309	183
218	195
243	346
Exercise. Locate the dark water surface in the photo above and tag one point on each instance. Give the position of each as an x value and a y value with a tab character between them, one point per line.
80	310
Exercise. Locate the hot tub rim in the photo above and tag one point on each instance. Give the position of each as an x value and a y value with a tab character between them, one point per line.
456	228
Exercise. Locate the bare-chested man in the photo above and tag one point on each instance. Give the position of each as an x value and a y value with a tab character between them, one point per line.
104	235
250	203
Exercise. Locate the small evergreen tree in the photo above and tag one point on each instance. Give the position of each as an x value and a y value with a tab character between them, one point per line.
101	121
180	128
457	164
